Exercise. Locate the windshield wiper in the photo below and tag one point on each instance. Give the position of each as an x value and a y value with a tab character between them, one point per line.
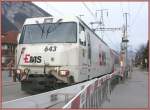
30	35
53	28
42	28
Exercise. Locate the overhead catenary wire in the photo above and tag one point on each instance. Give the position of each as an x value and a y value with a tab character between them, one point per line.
89	10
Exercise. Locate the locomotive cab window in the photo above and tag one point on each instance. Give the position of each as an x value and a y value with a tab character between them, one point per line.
63	32
82	37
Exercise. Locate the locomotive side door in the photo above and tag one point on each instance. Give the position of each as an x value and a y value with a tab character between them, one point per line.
83	45
89	52
83	53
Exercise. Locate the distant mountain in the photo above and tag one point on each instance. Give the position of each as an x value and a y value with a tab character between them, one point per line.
15	13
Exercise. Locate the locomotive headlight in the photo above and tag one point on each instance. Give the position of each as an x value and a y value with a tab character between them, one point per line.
26	70
121	63
63	73
18	71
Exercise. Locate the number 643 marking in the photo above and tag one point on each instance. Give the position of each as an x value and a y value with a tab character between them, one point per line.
50	48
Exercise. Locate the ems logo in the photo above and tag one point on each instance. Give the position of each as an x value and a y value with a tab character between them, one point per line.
32	59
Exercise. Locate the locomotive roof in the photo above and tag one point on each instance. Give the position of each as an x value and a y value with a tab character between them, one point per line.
65	19
41	20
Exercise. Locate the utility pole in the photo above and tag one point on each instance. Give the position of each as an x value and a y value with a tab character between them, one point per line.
125	40
102	15
101	25
101	21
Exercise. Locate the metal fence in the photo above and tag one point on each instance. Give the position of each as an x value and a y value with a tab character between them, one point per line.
94	94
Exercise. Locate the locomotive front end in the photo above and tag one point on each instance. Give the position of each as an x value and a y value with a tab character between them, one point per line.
47	54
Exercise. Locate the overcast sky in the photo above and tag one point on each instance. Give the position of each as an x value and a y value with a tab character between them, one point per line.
137	19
